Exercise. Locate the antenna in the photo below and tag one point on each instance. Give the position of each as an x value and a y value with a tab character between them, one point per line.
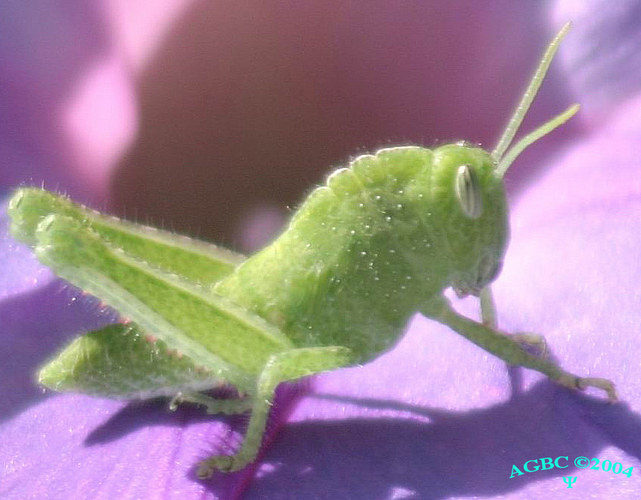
504	159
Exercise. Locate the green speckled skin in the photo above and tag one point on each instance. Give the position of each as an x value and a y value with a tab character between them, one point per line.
198	261
380	241
97	360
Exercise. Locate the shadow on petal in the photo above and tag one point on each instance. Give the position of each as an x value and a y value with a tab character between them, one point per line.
452	455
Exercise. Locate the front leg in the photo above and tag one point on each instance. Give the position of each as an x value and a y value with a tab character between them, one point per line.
526	339
509	350
281	367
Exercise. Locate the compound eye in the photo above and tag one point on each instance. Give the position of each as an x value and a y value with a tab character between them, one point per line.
468	191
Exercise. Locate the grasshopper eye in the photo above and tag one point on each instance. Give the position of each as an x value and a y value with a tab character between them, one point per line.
468	191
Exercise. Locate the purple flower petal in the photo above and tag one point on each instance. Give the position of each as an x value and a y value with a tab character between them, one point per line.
436	417
601	57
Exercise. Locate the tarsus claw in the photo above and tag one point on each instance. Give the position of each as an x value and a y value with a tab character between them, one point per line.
582	383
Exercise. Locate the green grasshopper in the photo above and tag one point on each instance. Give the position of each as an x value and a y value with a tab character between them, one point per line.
381	240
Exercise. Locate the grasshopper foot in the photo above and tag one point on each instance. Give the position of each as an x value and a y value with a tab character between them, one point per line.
582	383
223	463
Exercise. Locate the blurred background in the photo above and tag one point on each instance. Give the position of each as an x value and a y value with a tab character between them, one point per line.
215	118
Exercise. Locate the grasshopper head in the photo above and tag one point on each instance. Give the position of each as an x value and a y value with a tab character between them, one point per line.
476	195
472	212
